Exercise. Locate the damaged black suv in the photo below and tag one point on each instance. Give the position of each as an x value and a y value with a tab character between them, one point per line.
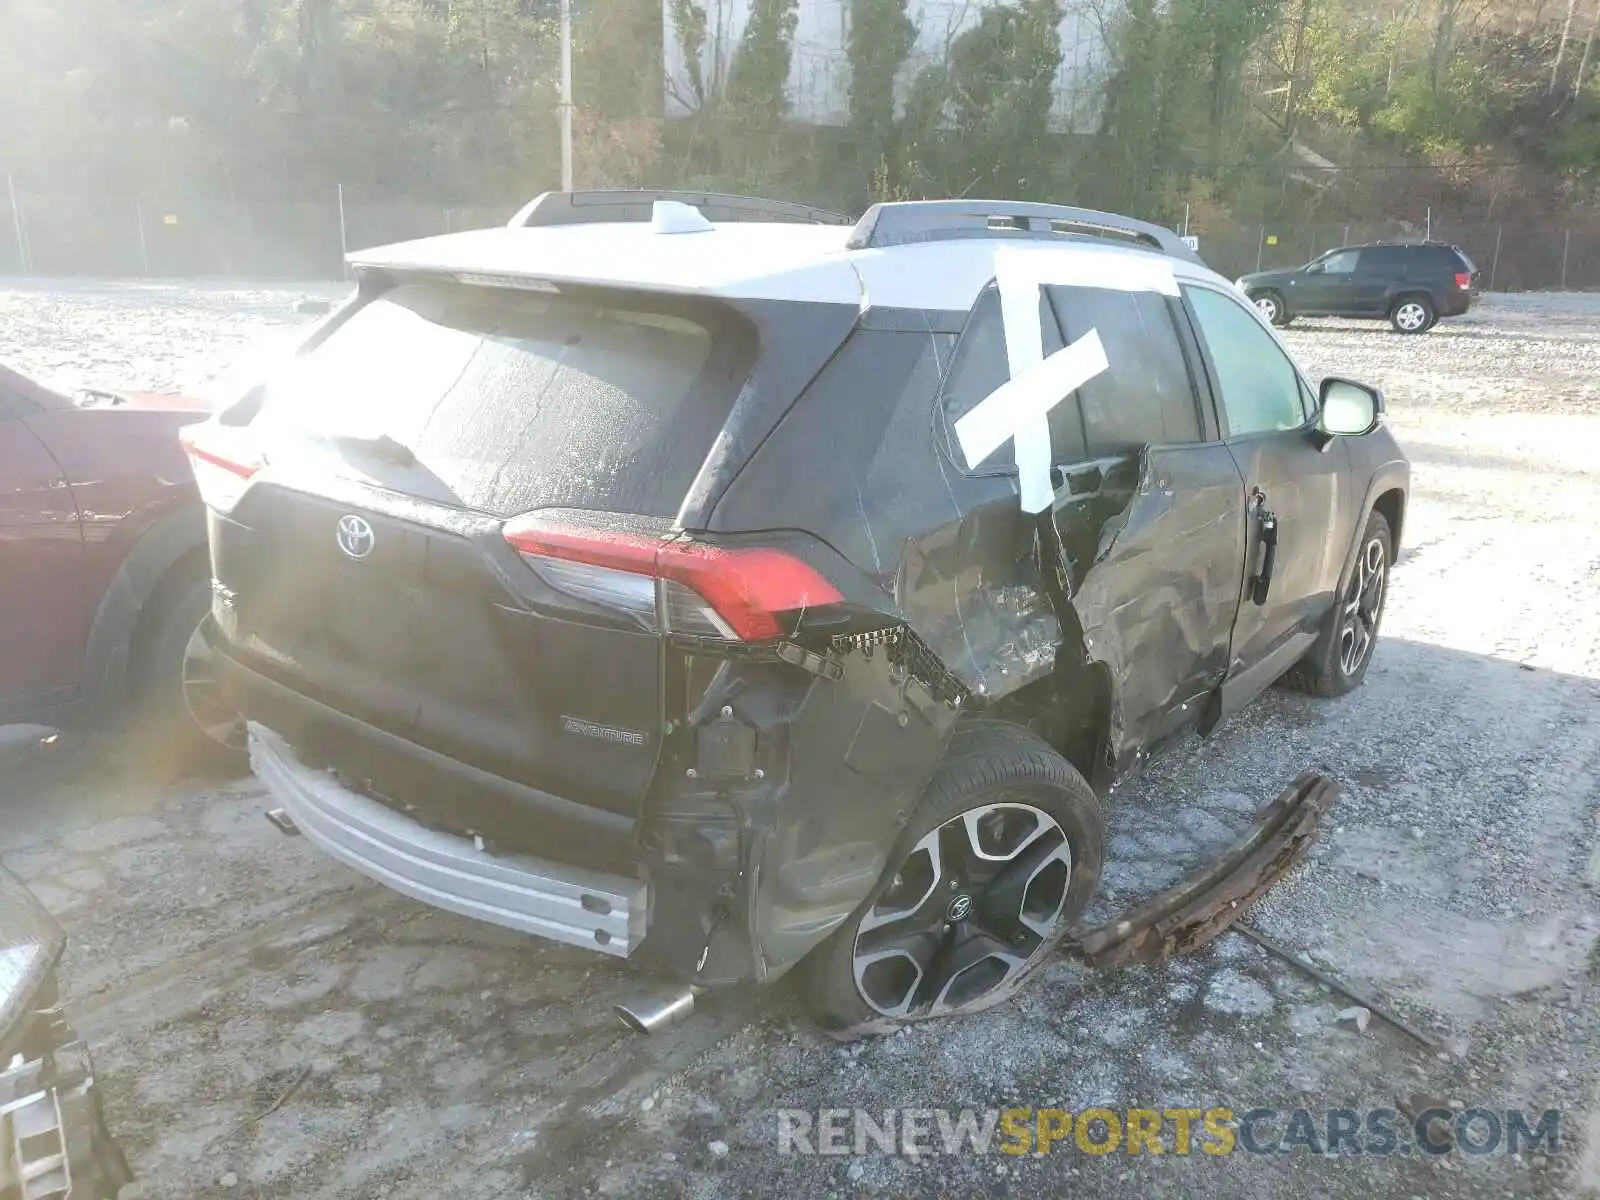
727	586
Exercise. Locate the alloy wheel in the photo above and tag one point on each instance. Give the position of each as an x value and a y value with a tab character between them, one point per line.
1358	627
203	698
1267	306
967	910
1411	316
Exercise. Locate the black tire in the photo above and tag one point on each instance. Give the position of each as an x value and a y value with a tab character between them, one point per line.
1272	306
1325	670
987	763
1413	314
165	720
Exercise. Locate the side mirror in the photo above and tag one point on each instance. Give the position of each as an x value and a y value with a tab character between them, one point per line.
1348	409
1316	268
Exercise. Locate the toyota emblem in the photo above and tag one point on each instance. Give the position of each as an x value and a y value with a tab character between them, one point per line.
355	536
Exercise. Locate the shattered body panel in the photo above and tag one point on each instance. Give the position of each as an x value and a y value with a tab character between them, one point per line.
754	857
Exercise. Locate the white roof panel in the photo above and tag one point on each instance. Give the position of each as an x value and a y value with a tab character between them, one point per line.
771	261
736	259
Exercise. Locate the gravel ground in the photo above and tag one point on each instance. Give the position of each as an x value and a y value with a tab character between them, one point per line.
218	968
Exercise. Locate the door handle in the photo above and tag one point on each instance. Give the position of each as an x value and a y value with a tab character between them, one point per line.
1266	552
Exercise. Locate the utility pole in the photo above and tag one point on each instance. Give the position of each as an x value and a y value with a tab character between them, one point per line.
16	221
1561	46
1588	48
566	95
1297	69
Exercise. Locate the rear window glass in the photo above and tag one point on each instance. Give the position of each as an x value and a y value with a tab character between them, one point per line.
517	401
1440	258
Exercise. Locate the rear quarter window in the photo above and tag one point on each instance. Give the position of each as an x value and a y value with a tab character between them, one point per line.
1144	397
517	401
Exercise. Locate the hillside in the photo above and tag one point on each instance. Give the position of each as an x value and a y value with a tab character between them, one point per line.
1227	110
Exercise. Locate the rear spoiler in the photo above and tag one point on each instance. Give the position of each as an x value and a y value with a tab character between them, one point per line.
635	205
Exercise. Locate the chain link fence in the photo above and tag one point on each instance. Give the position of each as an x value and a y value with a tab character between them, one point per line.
166	237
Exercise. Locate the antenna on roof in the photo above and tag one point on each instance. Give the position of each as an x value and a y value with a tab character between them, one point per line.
674	216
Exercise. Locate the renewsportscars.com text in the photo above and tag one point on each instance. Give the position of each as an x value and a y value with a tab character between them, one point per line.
1215	1132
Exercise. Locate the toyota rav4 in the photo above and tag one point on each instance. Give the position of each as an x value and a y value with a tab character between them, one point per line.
725	586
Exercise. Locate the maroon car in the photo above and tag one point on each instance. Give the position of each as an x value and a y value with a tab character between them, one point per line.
104	575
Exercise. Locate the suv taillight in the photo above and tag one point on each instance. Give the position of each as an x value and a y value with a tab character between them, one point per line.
1463	280
224	461
676	585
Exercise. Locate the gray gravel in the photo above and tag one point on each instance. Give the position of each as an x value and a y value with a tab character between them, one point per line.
217	966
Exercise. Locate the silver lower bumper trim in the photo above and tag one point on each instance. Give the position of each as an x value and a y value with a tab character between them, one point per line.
597	911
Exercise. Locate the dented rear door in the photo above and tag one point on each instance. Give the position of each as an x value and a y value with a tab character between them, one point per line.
1150	511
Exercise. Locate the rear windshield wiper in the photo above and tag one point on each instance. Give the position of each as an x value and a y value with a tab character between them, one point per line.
382	447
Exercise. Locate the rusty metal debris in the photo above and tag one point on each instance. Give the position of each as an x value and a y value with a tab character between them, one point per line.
1185	917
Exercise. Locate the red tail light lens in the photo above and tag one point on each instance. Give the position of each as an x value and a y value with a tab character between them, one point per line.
223	459
1463	280
737	593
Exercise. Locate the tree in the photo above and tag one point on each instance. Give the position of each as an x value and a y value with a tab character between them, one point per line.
881	36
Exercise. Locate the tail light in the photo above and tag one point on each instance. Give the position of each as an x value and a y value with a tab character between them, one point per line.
1463	280
224	461
677	586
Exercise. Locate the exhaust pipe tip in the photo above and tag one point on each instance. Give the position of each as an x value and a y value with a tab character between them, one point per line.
654	1009
284	823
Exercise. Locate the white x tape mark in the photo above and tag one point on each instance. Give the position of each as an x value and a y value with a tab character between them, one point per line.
1019	409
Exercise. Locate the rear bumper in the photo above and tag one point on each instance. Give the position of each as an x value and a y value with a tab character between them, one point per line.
564	903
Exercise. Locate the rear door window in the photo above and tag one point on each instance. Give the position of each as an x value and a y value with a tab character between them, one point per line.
1381	261
1144	397
517	401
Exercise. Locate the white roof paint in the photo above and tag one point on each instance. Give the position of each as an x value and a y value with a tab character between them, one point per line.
756	260
739	259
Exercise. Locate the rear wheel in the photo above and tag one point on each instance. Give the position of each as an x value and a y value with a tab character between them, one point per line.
1000	857
1338	660
1412	314
179	707
1271	306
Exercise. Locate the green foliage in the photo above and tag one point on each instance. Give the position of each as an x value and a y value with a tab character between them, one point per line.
689	20
1574	146
979	125
760	68
1174	105
456	100
1438	117
881	36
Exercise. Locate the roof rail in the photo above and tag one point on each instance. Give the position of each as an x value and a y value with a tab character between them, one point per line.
635	205
901	223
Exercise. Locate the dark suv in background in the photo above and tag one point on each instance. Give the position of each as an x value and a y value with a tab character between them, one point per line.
1410	284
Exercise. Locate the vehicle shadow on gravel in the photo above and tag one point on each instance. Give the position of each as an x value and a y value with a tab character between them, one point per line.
259	1013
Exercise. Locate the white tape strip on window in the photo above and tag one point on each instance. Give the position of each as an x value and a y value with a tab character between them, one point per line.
1082	266
1019	409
